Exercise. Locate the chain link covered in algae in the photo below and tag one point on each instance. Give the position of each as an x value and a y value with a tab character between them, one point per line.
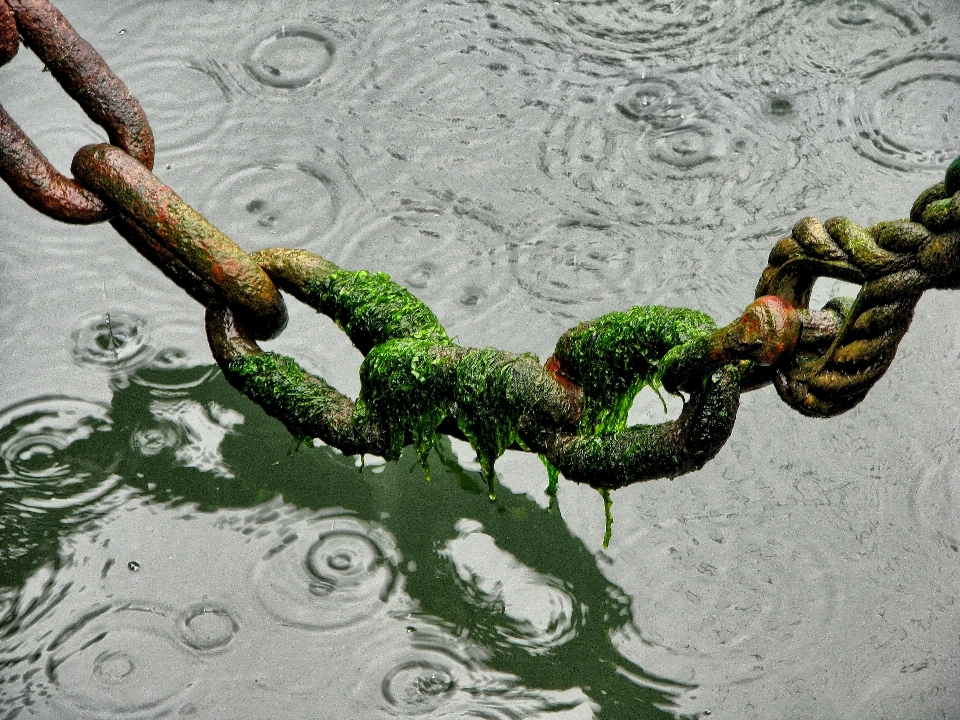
417	383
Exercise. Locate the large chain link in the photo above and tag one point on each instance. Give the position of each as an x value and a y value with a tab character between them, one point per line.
416	382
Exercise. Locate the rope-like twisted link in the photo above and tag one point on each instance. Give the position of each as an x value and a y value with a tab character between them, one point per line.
894	262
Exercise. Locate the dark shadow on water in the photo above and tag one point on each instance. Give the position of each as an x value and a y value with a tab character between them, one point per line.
421	516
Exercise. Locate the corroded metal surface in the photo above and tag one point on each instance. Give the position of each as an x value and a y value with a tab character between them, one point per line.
79	70
184	234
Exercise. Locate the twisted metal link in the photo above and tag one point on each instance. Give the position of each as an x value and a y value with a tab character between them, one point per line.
894	262
416	382
85	76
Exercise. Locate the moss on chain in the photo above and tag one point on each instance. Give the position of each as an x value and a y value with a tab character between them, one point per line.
407	386
492	392
306	404
372	309
616	355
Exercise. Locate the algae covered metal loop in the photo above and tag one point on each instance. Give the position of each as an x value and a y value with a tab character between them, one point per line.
180	240
417	383
848	345
84	75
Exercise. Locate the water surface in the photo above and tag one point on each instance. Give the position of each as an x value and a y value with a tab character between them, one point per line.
166	550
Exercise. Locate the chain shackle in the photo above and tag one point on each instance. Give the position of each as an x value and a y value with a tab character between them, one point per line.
180	240
85	76
894	262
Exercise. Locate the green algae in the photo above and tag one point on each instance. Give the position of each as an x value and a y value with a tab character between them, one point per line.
406	386
307	405
414	379
492	392
607	516
616	355
553	475
372	309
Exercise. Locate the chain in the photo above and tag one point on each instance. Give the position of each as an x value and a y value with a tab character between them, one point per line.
417	383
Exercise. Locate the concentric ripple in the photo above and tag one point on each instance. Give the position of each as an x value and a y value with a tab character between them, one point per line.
688	146
838	36
446	250
123	661
417	687
290	57
726	604
928	136
285	203
208	627
657	102
336	573
662	149
158	83
528	610
573	262
114	341
859	15
653	28
433	677
173	369
42	448
935	502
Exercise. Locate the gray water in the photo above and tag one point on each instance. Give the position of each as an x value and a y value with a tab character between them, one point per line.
520	167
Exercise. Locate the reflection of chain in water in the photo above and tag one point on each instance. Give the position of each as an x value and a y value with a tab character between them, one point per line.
193	431
41	446
537	613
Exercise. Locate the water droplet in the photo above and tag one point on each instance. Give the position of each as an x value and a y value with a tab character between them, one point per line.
208	627
337	572
114	341
417	688
291	57
657	102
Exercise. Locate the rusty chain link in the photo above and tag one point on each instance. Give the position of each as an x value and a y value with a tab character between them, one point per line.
416	382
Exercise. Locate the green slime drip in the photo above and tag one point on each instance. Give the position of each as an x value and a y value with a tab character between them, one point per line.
413	377
616	355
